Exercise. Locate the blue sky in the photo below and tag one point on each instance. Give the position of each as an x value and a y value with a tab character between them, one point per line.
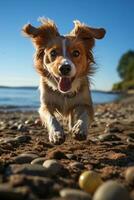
16	52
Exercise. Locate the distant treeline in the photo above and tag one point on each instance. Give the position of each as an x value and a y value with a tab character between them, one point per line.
125	70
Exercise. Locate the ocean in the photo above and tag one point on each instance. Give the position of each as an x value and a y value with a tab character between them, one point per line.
28	98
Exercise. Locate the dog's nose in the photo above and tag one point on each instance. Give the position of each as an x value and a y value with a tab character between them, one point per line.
65	69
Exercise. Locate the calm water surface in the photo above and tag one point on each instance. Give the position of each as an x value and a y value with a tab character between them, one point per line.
29	97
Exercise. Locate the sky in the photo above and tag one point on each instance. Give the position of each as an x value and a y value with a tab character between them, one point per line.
16	52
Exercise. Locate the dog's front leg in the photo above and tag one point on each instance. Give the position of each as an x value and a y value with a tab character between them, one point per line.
83	116
56	133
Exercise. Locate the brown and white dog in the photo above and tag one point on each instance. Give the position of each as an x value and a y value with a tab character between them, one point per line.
64	64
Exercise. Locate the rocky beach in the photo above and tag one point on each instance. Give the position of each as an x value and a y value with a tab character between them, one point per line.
33	169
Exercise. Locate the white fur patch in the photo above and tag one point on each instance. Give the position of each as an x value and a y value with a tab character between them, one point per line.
64	47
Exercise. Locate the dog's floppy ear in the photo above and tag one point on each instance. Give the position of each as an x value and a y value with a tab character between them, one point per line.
87	33
41	34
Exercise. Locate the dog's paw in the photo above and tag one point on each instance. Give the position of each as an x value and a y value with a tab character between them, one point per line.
78	131
57	137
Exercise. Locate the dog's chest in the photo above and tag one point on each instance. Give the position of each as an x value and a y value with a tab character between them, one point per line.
64	104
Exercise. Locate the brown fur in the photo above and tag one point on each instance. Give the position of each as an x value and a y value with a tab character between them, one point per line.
46	38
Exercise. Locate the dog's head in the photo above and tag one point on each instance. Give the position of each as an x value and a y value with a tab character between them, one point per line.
63	59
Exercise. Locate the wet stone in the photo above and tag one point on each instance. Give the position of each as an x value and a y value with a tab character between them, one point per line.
25	158
27	169
38	161
74	194
111	190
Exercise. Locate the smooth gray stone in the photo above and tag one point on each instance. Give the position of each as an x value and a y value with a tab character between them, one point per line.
111	190
53	167
39	161
23	138
27	169
25	158
9	193
74	194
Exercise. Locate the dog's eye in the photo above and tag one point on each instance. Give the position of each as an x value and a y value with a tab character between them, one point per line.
76	53
53	53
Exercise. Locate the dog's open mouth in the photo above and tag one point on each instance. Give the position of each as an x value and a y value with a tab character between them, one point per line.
64	83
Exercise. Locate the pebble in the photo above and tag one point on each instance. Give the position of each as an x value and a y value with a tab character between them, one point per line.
38	185
25	158
74	194
129	140
70	156
37	122
28	121
22	128
89	181
7	192
23	138
129	175
57	155
53	167
27	169
111	190
38	161
8	140
132	195
131	135
108	137
78	165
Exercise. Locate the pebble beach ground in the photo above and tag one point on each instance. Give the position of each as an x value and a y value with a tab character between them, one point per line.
31	168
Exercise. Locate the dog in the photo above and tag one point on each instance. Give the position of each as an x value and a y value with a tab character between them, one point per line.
64	64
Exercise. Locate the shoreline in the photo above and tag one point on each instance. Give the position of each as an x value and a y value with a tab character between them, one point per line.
15	108
108	150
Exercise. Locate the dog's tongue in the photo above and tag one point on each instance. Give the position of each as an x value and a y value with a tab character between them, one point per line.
65	84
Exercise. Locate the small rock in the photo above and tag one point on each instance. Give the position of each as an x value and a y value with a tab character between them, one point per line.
131	135
38	161
13	127
28	121
21	127
53	167
74	194
7	192
129	175
129	140
23	138
40	186
78	165
25	158
108	137
57	155
111	190
70	156
132	195
8	140
37	122
27	169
